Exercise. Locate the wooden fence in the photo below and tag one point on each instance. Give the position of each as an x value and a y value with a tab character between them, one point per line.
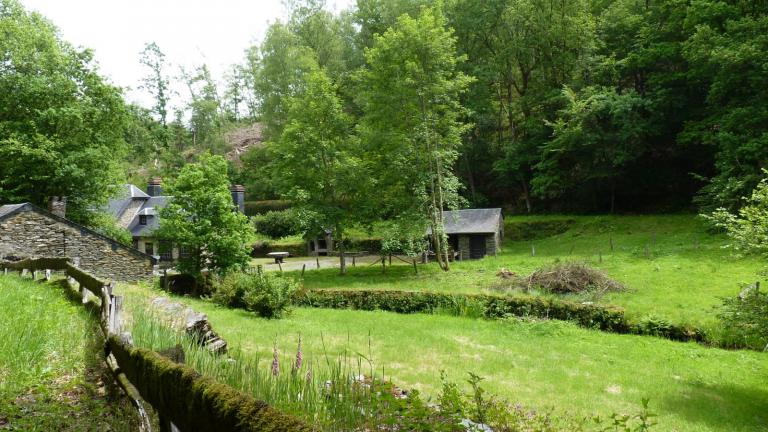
184	399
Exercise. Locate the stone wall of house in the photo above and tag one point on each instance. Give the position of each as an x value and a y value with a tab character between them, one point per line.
32	234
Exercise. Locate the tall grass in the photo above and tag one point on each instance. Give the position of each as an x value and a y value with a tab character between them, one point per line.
42	335
334	393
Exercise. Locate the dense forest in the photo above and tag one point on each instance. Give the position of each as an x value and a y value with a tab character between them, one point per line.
533	105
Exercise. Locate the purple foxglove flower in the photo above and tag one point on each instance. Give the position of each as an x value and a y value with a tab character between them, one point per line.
299	355
275	362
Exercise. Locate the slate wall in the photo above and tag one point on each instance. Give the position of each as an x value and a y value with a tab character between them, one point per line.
32	234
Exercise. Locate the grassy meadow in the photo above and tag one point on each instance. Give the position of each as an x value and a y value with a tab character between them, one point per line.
681	278
538	364
673	267
52	375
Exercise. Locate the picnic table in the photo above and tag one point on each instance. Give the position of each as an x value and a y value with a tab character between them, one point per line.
278	256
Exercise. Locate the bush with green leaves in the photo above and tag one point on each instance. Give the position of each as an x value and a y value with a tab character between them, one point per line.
745	320
229	290
748	230
269	295
277	224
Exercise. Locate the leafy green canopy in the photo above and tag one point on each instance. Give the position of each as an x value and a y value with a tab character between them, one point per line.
319	162
202	219
413	124
61	124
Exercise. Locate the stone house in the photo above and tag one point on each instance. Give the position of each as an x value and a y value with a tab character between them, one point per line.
139	212
27	231
474	233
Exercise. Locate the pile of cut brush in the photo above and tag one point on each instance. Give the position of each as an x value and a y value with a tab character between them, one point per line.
570	278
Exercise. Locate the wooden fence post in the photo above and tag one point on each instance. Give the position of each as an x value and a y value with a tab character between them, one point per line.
47	274
303	267
115	311
415	269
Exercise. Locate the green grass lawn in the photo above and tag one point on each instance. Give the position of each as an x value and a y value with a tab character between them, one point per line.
540	365
681	279
51	371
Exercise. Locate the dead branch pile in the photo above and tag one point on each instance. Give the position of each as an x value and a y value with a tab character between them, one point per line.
570	278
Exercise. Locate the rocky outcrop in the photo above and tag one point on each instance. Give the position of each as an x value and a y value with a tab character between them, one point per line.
195	324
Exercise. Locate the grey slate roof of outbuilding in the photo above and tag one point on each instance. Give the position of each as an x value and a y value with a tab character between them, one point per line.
472	221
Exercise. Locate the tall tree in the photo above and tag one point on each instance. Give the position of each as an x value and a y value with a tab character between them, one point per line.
205	118
318	162
156	82
522	52
283	60
61	124
202	219
412	123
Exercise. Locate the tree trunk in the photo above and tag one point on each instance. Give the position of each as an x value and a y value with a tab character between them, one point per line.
526	196
342	258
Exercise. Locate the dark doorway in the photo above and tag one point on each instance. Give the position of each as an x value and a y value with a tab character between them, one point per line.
476	246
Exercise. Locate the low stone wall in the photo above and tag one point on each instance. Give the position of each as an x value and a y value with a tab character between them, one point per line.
31	233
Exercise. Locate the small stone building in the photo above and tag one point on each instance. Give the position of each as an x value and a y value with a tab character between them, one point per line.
27	231
474	233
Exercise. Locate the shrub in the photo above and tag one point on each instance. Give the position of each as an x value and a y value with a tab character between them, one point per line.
277	224
230	290
270	295
183	284
745	320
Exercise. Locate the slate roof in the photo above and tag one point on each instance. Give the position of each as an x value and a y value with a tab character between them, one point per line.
472	221
9	210
150	207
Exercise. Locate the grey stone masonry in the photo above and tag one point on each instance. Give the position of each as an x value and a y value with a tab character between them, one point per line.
30	232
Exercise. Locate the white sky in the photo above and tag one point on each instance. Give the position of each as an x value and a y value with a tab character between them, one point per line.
189	32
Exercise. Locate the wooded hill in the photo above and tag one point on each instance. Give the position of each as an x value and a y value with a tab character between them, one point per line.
536	105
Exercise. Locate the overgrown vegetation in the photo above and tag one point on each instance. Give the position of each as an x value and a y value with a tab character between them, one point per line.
551	365
347	392
744	319
748	230
52	375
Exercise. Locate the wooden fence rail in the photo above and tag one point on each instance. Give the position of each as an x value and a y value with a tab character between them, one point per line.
177	392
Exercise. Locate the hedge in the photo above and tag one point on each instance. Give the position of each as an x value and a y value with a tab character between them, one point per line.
253	208
261	249
606	318
193	401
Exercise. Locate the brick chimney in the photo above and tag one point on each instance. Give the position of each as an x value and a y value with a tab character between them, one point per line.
154	188
58	206
238	197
